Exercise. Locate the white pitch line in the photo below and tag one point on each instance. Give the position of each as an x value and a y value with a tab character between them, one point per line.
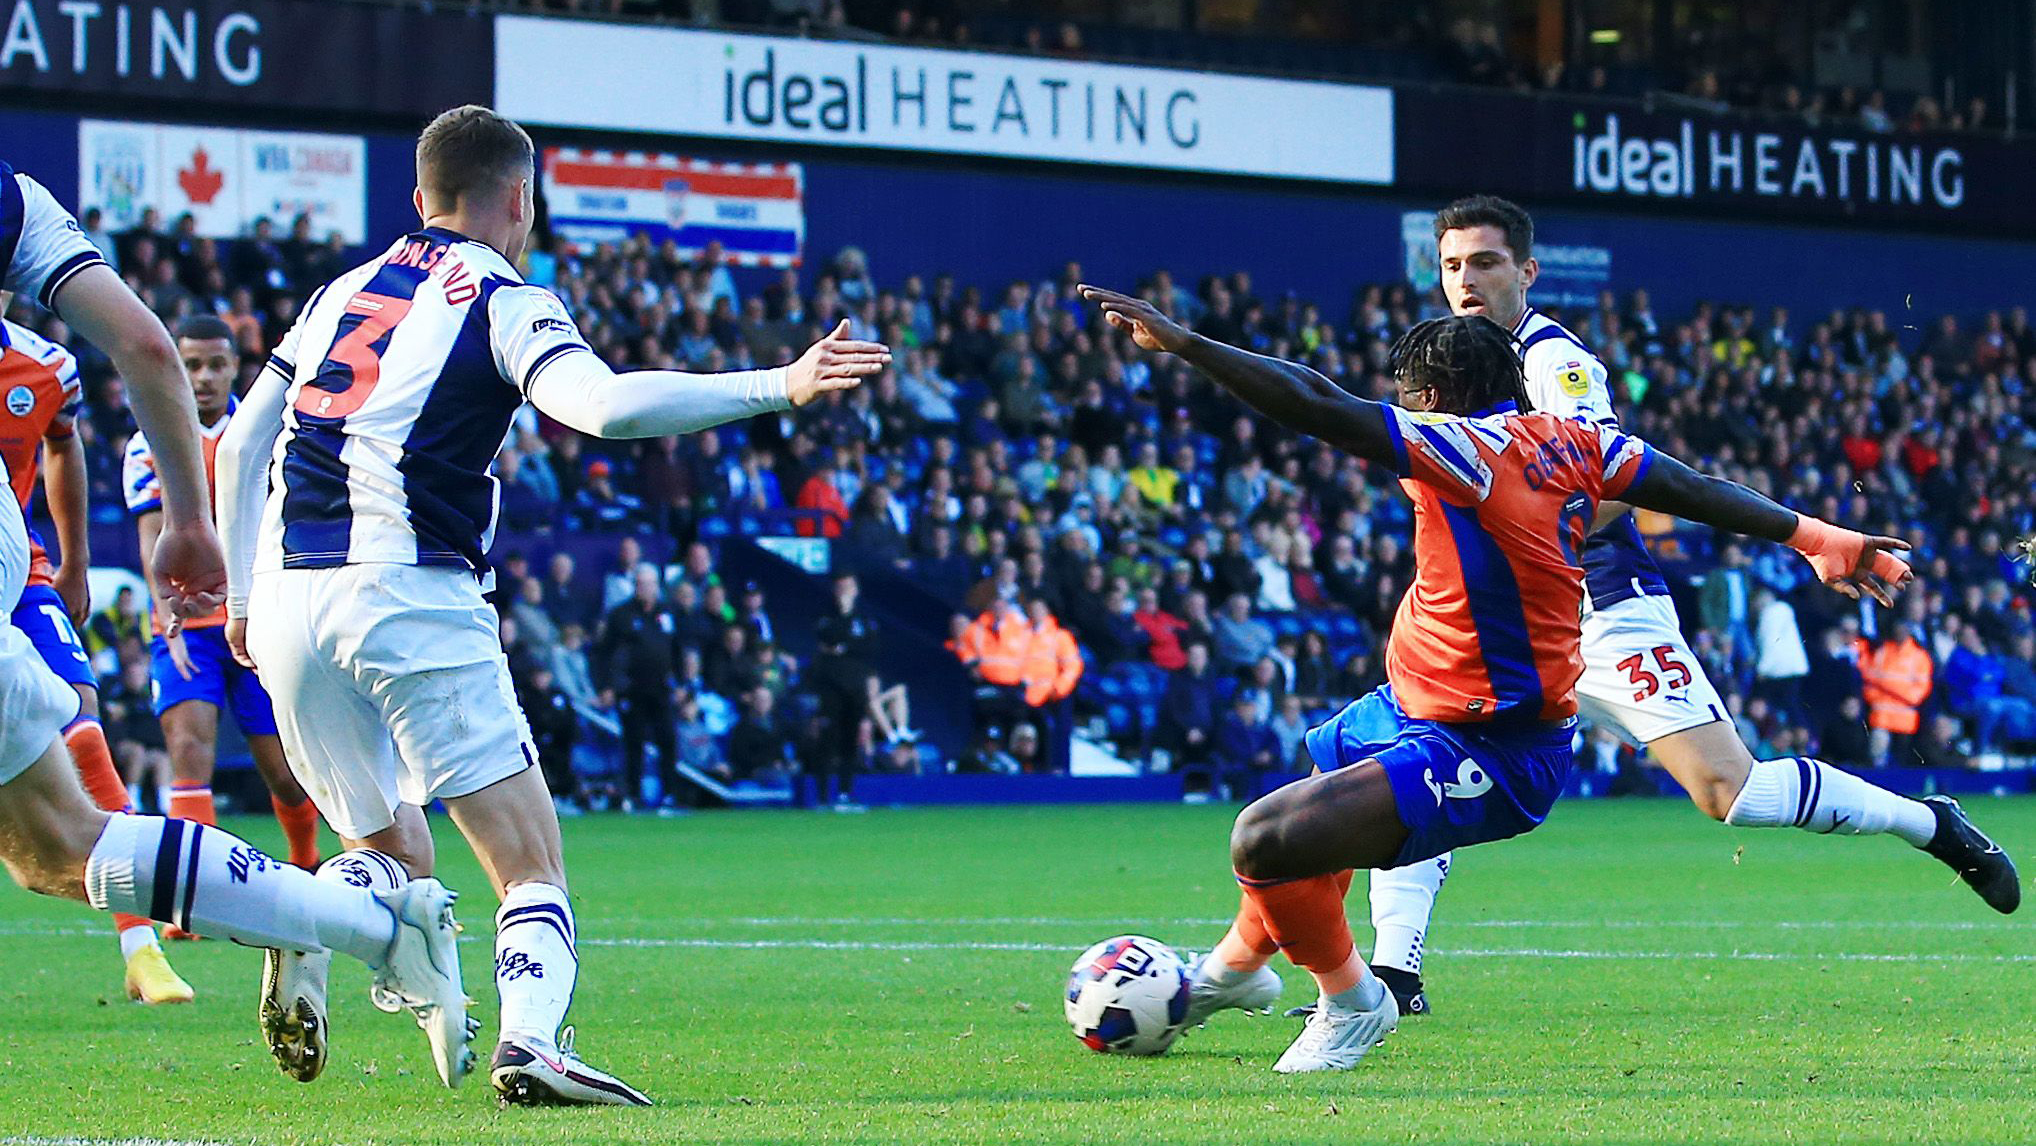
909	945
1445	924
36	1141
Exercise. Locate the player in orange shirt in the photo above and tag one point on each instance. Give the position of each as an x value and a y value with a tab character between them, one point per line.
195	675
1469	742
41	394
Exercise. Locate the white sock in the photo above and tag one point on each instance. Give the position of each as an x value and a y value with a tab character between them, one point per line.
1363	995
1798	792
1402	901
365	868
215	884
535	963
137	939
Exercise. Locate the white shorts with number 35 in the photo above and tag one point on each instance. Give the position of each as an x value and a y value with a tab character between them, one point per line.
1640	678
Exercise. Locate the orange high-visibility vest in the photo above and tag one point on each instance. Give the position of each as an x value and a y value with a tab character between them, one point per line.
1897	679
1053	664
996	642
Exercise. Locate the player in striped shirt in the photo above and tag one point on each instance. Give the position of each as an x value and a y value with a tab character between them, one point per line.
358	504
52	839
1640	678
1470	741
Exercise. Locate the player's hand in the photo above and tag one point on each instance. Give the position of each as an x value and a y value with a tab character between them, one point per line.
180	653
1876	572
189	570
836	362
72	585
1150	329
236	639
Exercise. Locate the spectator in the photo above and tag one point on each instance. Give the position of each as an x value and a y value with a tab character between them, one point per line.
1026	750
127	709
2011	719
1314	670
554	730
1187	714
992	648
620	583
1246	748
759	751
1162	632
599	505
1780	662
699	749
565	600
844	682
1290	726
1897	678
1240	639
1843	738
1725	602
1972	682
640	650
873	539
1938	747
819	494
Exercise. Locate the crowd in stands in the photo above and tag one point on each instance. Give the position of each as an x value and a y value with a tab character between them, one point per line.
1126	551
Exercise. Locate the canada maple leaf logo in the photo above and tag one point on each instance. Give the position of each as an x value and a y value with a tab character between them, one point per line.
201	181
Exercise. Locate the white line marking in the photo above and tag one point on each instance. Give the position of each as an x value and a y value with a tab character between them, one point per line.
1224	921
36	1141
1460	953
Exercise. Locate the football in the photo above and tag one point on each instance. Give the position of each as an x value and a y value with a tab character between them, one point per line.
1128	995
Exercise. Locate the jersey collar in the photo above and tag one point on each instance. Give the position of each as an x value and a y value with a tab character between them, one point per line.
1525	314
1506	407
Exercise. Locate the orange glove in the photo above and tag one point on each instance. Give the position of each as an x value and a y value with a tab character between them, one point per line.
1836	553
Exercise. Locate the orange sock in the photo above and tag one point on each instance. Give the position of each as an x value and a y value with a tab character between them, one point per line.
85	740
1305	917
300	827
193	802
1247	946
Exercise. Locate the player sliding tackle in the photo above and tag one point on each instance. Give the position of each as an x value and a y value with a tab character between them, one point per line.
357	507
1484	656
52	838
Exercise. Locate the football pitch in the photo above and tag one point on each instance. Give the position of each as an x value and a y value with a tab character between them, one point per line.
1630	973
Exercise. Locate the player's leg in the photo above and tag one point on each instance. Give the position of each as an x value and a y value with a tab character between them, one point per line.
256	715
56	843
41	617
1642	679
432	663
343	756
191	736
1402	906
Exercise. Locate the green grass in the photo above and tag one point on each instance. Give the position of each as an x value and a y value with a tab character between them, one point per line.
1622	975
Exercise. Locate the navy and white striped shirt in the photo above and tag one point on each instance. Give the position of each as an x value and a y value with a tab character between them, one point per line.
403	376
1564	378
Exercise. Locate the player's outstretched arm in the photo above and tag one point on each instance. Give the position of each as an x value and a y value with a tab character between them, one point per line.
1848	561
578	389
240	468
189	568
1287	392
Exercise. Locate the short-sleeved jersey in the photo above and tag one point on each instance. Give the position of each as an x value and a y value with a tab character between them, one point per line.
39	399
1564	378
1492	626
403	376
144	491
41	245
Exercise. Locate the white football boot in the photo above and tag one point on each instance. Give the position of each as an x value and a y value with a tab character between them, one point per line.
292	1010
527	1072
1337	1038
1255	993
423	970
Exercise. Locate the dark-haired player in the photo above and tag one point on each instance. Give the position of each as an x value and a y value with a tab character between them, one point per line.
194	675
1483	661
1640	679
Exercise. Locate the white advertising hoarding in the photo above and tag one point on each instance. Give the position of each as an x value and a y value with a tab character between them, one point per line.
225	177
715	84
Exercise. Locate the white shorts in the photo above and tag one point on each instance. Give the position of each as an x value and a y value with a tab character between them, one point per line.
1640	678
35	704
390	687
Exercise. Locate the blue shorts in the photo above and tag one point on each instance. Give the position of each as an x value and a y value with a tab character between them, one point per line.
1455	784
219	681
41	617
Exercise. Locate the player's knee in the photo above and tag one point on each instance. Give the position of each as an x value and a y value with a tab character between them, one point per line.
1256	842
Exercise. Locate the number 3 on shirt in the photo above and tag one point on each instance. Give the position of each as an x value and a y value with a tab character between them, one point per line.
1648	682
363	335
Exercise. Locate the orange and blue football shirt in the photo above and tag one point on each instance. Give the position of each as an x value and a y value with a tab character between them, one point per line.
1503	504
39	400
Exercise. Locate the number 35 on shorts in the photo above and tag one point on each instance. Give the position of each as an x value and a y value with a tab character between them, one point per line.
1647	683
1471	782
